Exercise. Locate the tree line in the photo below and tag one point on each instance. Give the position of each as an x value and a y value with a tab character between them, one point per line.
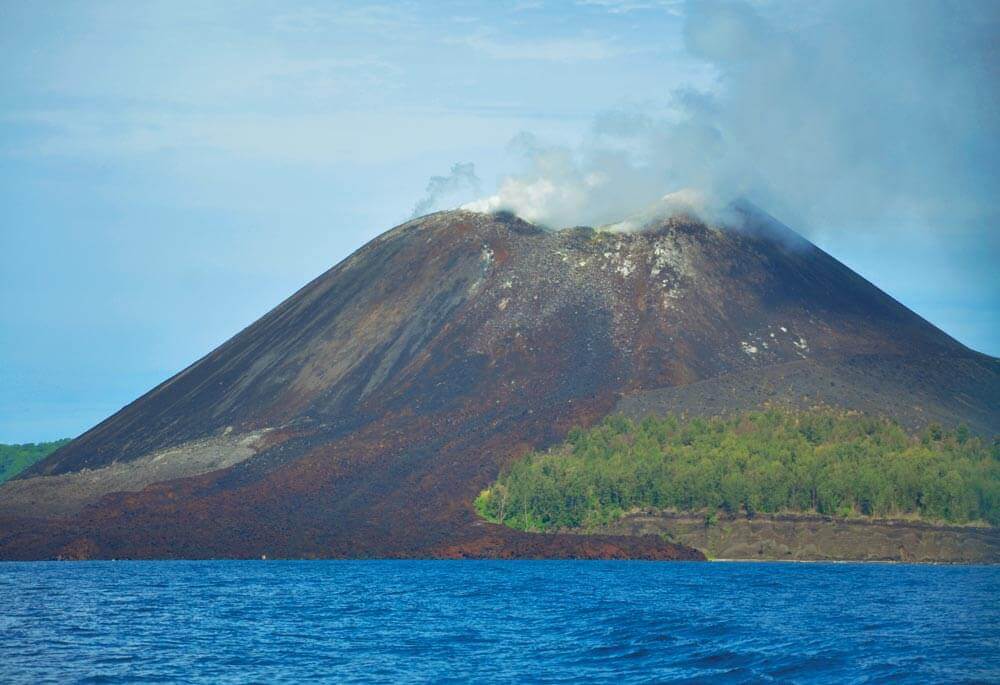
823	460
16	458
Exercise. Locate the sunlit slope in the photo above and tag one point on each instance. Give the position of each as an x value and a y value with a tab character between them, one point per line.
363	415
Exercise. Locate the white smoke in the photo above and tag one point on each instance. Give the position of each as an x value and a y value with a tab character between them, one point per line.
824	114
562	186
462	178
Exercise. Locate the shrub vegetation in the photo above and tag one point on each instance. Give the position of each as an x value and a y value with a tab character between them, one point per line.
822	461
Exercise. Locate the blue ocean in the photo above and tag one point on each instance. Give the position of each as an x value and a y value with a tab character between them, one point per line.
497	621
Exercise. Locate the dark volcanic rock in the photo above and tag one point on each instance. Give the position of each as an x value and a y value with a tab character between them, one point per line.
362	415
805	537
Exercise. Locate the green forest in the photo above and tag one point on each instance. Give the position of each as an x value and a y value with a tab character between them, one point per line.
16	458
822	461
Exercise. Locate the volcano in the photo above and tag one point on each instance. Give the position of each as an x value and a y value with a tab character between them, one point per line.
360	417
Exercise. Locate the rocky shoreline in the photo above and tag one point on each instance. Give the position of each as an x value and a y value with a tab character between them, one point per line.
806	537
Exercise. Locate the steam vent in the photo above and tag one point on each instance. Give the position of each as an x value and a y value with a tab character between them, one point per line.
361	416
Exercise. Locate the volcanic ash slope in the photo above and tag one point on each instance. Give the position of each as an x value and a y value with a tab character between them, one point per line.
362	415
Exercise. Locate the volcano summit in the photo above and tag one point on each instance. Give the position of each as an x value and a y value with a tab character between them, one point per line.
361	416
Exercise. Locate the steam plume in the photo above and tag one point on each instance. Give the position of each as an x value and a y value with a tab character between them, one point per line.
462	177
831	115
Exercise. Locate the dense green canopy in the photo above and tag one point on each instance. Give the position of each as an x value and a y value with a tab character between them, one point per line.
16	458
821	461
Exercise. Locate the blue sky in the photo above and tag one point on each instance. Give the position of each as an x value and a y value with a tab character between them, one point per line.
171	170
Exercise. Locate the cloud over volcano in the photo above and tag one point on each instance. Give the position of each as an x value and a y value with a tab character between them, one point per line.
831	115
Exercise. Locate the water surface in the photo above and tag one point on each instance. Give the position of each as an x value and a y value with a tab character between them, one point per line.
554	621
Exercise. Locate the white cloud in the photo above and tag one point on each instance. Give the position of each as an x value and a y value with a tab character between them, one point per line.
566	50
833	120
357	16
361	137
675	7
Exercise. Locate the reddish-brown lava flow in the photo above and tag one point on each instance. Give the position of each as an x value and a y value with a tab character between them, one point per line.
400	382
